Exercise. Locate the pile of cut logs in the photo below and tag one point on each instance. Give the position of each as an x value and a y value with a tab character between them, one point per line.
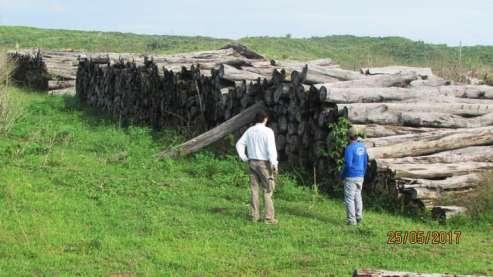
29	70
143	92
427	137
432	138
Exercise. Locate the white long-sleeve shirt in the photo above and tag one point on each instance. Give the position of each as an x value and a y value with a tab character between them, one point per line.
260	144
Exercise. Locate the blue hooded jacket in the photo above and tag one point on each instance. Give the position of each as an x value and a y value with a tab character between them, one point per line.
355	160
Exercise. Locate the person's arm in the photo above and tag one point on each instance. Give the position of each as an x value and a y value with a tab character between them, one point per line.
348	160
365	162
241	147
272	150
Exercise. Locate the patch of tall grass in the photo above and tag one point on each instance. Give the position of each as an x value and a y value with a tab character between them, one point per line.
9	110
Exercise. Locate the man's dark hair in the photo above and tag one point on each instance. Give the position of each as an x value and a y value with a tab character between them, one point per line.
260	116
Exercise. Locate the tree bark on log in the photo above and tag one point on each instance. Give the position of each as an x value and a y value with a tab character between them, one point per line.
428	143
451	183
378	131
462	109
448	94
468	154
421	71
387	273
435	170
419	119
215	134
379	81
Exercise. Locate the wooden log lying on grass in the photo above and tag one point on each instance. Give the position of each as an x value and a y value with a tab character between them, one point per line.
428	143
215	134
388	273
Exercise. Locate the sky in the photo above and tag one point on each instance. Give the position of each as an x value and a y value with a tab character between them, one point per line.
436	21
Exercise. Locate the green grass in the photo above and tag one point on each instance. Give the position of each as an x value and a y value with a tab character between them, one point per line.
81	196
349	51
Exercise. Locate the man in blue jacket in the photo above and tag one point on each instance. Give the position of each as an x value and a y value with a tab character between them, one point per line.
353	174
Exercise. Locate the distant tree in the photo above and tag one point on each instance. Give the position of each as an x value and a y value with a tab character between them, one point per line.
288	35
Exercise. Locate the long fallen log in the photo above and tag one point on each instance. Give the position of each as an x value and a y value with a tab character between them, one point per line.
215	134
387	273
378	131
434	170
379	81
459	182
462	109
467	154
335	93
428	143
433	82
395	69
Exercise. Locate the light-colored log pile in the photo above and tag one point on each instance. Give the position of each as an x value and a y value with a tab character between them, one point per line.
435	139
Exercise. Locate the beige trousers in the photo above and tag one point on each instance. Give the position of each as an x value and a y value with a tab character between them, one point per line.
261	175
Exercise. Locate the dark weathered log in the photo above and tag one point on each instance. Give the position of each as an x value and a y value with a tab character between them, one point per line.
215	134
446	212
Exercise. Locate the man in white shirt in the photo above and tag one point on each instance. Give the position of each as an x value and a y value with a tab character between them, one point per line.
261	155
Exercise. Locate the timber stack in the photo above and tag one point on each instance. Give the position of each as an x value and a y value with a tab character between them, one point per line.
428	138
202	90
29	69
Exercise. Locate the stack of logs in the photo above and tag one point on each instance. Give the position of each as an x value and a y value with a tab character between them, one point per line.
428	140
29	70
427	137
144	93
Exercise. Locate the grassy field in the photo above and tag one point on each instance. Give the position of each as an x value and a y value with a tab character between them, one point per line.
349	51
81	196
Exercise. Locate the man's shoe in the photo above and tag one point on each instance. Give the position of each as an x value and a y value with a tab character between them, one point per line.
359	221
271	221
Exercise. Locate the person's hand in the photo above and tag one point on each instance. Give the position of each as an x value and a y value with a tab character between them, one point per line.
244	159
275	170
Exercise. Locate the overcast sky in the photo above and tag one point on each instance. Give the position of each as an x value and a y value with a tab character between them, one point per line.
436	21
